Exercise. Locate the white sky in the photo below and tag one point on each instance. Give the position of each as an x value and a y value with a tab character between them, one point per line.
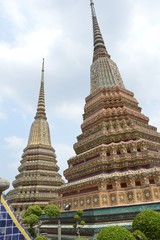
61	32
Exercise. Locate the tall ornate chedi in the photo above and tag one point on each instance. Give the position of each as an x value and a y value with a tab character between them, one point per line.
38	177
118	153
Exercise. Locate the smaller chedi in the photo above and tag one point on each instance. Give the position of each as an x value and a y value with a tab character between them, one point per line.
118	153
38	177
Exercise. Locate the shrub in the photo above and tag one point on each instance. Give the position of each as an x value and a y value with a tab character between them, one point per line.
139	235
148	222
30	217
31	220
35	209
115	233
79	212
76	217
52	210
79	223
82	222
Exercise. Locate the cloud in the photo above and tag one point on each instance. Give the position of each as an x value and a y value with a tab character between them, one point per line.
44	36
3	116
61	31
14	146
63	152
14	143
143	37
69	111
138	56
13	12
13	166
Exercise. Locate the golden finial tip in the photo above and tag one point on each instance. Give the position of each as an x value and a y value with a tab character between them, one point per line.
43	65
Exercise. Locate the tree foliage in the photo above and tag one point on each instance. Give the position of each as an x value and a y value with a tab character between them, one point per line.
148	222
34	209
79	213
139	235
82	222
52	210
76	217
115	233
79	223
31	217
31	231
31	220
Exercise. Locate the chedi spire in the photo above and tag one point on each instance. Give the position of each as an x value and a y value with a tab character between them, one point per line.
41	102
104	72
38	177
117	154
98	42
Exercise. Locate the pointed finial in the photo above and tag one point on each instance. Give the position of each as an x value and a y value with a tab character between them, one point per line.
42	77
41	102
92	8
99	45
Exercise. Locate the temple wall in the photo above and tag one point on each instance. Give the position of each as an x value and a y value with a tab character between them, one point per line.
103	198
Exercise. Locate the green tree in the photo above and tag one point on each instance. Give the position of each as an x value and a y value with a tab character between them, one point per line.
52	210
148	222
79	223
31	218
34	209
115	233
139	235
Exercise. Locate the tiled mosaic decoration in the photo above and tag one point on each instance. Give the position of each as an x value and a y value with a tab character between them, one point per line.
10	226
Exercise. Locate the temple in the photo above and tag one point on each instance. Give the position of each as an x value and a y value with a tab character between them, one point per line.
38	177
118	153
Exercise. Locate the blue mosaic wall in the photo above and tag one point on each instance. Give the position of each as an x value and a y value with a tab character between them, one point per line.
8	229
